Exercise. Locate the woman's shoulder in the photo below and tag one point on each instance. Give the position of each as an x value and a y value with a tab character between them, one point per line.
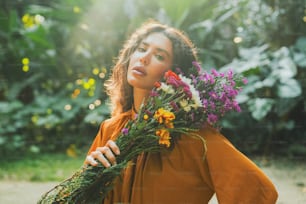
118	118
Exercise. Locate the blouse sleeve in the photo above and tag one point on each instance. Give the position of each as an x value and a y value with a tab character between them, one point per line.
98	141
235	178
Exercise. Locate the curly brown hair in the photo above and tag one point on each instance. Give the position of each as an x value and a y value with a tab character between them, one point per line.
117	87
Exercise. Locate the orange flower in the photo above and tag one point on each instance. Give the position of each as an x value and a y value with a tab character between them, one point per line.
164	137
164	116
157	84
170	73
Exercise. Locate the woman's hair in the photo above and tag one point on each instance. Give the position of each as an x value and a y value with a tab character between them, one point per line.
117	87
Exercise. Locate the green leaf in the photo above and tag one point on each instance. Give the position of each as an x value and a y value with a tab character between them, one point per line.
289	88
8	107
300	59
301	44
260	107
286	69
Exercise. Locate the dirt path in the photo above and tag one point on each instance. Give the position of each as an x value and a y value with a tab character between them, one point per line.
289	181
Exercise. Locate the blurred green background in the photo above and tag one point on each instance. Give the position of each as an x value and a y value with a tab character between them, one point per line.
56	55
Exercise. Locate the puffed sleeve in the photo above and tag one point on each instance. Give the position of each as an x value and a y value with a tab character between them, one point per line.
236	179
99	141
109	129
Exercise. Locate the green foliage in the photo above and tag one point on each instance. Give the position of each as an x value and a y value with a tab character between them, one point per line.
56	55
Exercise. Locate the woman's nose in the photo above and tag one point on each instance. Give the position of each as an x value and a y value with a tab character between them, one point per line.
144	59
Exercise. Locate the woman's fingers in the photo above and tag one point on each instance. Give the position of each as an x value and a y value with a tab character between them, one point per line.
106	155
90	160
113	146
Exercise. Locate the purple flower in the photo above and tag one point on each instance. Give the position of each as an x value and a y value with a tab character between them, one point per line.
212	105
212	118
213	95
194	79
215	73
236	106
197	66
245	80
205	103
125	131
230	74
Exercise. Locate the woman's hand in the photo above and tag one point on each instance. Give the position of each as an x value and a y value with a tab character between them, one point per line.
106	155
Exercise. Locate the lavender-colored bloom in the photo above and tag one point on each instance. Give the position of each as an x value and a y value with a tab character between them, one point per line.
197	66
125	131
213	95
212	105
236	106
212	118
245	80
194	79
205	103
230	74
211	79
223	97
202	77
215	73
227	105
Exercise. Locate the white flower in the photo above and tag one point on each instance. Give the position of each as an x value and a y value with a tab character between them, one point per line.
185	105
195	94
186	80
196	98
166	88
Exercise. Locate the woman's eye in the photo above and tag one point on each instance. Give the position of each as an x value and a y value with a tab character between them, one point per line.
141	49
160	57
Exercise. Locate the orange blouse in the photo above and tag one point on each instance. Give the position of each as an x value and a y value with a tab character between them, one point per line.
183	175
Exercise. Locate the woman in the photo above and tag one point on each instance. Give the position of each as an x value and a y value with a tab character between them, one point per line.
180	175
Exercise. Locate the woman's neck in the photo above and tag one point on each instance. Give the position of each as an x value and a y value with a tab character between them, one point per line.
139	97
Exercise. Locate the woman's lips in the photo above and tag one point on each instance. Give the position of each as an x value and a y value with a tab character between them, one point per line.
139	70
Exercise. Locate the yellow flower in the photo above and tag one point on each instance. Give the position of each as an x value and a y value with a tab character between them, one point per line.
164	137
164	116
145	117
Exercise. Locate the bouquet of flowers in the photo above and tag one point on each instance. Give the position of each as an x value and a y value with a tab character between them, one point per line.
178	104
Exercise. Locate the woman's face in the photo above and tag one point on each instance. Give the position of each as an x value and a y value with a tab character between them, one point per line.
149	62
